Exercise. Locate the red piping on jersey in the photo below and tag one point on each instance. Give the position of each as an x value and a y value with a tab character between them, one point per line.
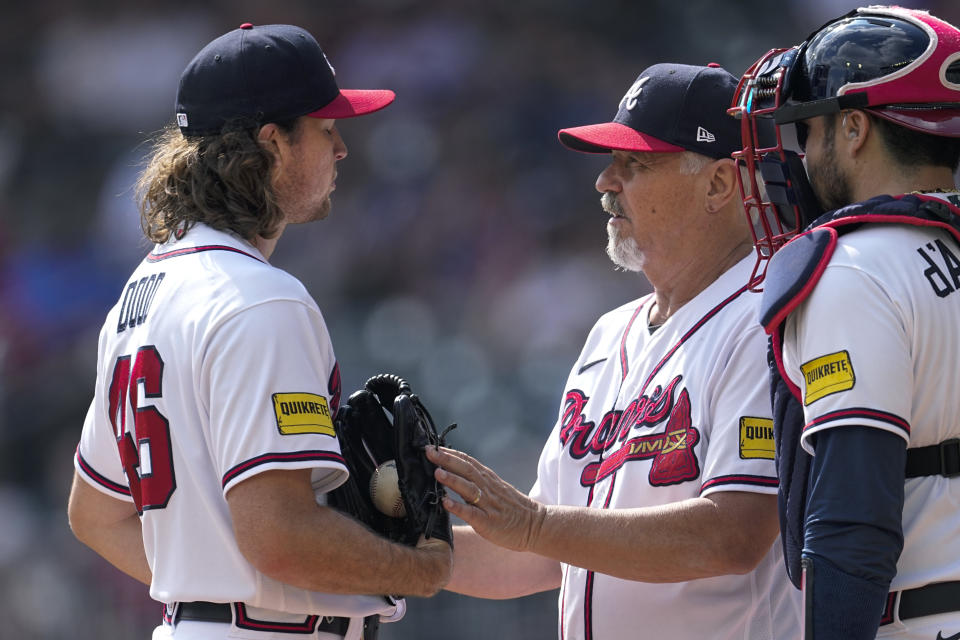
176	253
760	481
624	367
887	616
693	330
917	222
873	414
778	356
563	600
100	479
267	458
588	587
613	481
588	607
243	622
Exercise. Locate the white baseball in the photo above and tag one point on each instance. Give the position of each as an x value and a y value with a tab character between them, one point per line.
385	490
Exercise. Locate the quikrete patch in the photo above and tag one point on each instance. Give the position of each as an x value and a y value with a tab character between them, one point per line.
827	375
756	438
299	413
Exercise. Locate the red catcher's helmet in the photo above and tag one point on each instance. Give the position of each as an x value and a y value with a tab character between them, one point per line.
899	64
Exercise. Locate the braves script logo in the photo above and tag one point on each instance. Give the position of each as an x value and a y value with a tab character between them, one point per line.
674	460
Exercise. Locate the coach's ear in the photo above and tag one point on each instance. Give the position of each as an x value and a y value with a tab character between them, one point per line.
722	184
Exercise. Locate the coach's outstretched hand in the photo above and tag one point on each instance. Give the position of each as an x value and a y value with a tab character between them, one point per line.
493	507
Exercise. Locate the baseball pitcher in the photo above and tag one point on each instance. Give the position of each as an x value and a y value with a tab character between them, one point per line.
213	442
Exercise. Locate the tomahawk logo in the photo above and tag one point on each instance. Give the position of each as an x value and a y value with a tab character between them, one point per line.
705	136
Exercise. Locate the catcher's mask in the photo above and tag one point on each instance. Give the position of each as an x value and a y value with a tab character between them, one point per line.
899	64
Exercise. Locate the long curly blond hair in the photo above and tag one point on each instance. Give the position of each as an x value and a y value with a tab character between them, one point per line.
220	180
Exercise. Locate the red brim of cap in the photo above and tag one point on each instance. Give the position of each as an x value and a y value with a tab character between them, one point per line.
355	102
938	122
609	136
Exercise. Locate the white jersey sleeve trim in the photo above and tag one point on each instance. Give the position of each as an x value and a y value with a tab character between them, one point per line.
99	481
740	482
855	417
289	460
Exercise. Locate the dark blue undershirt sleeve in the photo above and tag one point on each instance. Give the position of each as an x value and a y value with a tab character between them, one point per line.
855	501
854	525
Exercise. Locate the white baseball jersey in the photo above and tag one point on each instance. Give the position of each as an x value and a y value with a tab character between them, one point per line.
652	419
213	366
877	344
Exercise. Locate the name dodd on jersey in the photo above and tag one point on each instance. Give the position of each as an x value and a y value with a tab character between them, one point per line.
137	299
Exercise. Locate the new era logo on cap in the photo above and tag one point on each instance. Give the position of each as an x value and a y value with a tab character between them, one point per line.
668	108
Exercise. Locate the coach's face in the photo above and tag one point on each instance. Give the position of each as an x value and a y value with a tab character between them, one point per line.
306	169
646	195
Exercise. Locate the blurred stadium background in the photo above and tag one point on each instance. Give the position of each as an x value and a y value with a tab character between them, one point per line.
464	251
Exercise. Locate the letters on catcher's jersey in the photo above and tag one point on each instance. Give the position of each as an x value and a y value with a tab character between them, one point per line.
896	371
213	366
652	419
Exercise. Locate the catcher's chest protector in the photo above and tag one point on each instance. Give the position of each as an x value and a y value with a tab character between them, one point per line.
792	275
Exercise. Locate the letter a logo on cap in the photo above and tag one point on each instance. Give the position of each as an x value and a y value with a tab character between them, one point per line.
630	98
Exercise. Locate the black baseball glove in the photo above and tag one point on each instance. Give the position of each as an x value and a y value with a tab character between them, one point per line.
381	422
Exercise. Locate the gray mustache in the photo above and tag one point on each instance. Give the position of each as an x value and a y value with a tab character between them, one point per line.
609	203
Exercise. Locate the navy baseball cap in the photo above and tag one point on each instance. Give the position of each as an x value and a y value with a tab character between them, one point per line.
670	107
263	74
